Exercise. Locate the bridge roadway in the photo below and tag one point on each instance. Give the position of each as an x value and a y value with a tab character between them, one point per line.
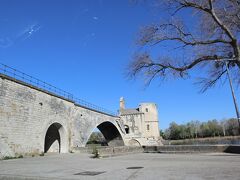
34	121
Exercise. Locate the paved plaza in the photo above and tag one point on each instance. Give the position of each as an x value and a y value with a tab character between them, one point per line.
134	166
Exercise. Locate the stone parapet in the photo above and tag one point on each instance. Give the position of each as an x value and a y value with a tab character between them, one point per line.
193	149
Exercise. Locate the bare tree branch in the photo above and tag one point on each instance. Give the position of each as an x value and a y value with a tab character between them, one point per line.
213	37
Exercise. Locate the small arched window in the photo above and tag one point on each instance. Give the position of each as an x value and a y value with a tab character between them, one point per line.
126	129
148	127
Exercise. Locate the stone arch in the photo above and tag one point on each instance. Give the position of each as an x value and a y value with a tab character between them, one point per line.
55	139
111	133
134	142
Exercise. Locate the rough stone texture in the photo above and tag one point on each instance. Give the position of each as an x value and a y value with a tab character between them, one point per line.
106	151
193	149
26	113
205	141
141	124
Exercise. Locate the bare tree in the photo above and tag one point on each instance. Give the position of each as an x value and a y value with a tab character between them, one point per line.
223	125
199	34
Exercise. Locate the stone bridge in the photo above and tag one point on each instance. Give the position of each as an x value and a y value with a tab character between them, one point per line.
34	121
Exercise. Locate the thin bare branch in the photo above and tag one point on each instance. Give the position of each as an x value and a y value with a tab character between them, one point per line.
214	36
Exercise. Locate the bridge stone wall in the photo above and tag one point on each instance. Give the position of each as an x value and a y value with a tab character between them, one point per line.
26	113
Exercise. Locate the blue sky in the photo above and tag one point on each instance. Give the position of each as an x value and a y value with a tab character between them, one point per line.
84	47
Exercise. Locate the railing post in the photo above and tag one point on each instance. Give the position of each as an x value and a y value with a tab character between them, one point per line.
9	71
233	95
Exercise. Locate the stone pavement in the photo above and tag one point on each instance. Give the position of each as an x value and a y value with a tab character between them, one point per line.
154	166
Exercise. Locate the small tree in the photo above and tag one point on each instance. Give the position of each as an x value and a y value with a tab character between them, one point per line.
162	134
167	133
214	127
232	127
175	131
190	129
223	125
205	35
196	125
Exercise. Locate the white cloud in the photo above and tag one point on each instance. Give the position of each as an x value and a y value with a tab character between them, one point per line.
29	31
5	42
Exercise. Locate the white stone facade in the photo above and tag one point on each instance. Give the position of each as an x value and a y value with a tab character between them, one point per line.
141	124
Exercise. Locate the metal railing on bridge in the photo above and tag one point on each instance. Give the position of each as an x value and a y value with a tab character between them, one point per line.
21	76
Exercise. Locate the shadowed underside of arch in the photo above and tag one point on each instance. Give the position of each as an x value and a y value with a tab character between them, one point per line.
111	134
54	139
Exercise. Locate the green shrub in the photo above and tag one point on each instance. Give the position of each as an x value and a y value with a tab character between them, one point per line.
95	152
8	157
20	156
12	157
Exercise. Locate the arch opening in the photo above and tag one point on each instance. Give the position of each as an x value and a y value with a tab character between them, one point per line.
134	142
111	134
53	137
126	127
97	138
108	135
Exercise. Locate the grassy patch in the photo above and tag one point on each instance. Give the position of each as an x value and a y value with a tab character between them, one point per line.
12	157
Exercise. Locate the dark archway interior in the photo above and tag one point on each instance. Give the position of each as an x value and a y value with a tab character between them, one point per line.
126	129
111	134
52	135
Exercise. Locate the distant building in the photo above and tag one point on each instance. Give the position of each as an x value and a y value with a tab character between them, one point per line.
140	124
